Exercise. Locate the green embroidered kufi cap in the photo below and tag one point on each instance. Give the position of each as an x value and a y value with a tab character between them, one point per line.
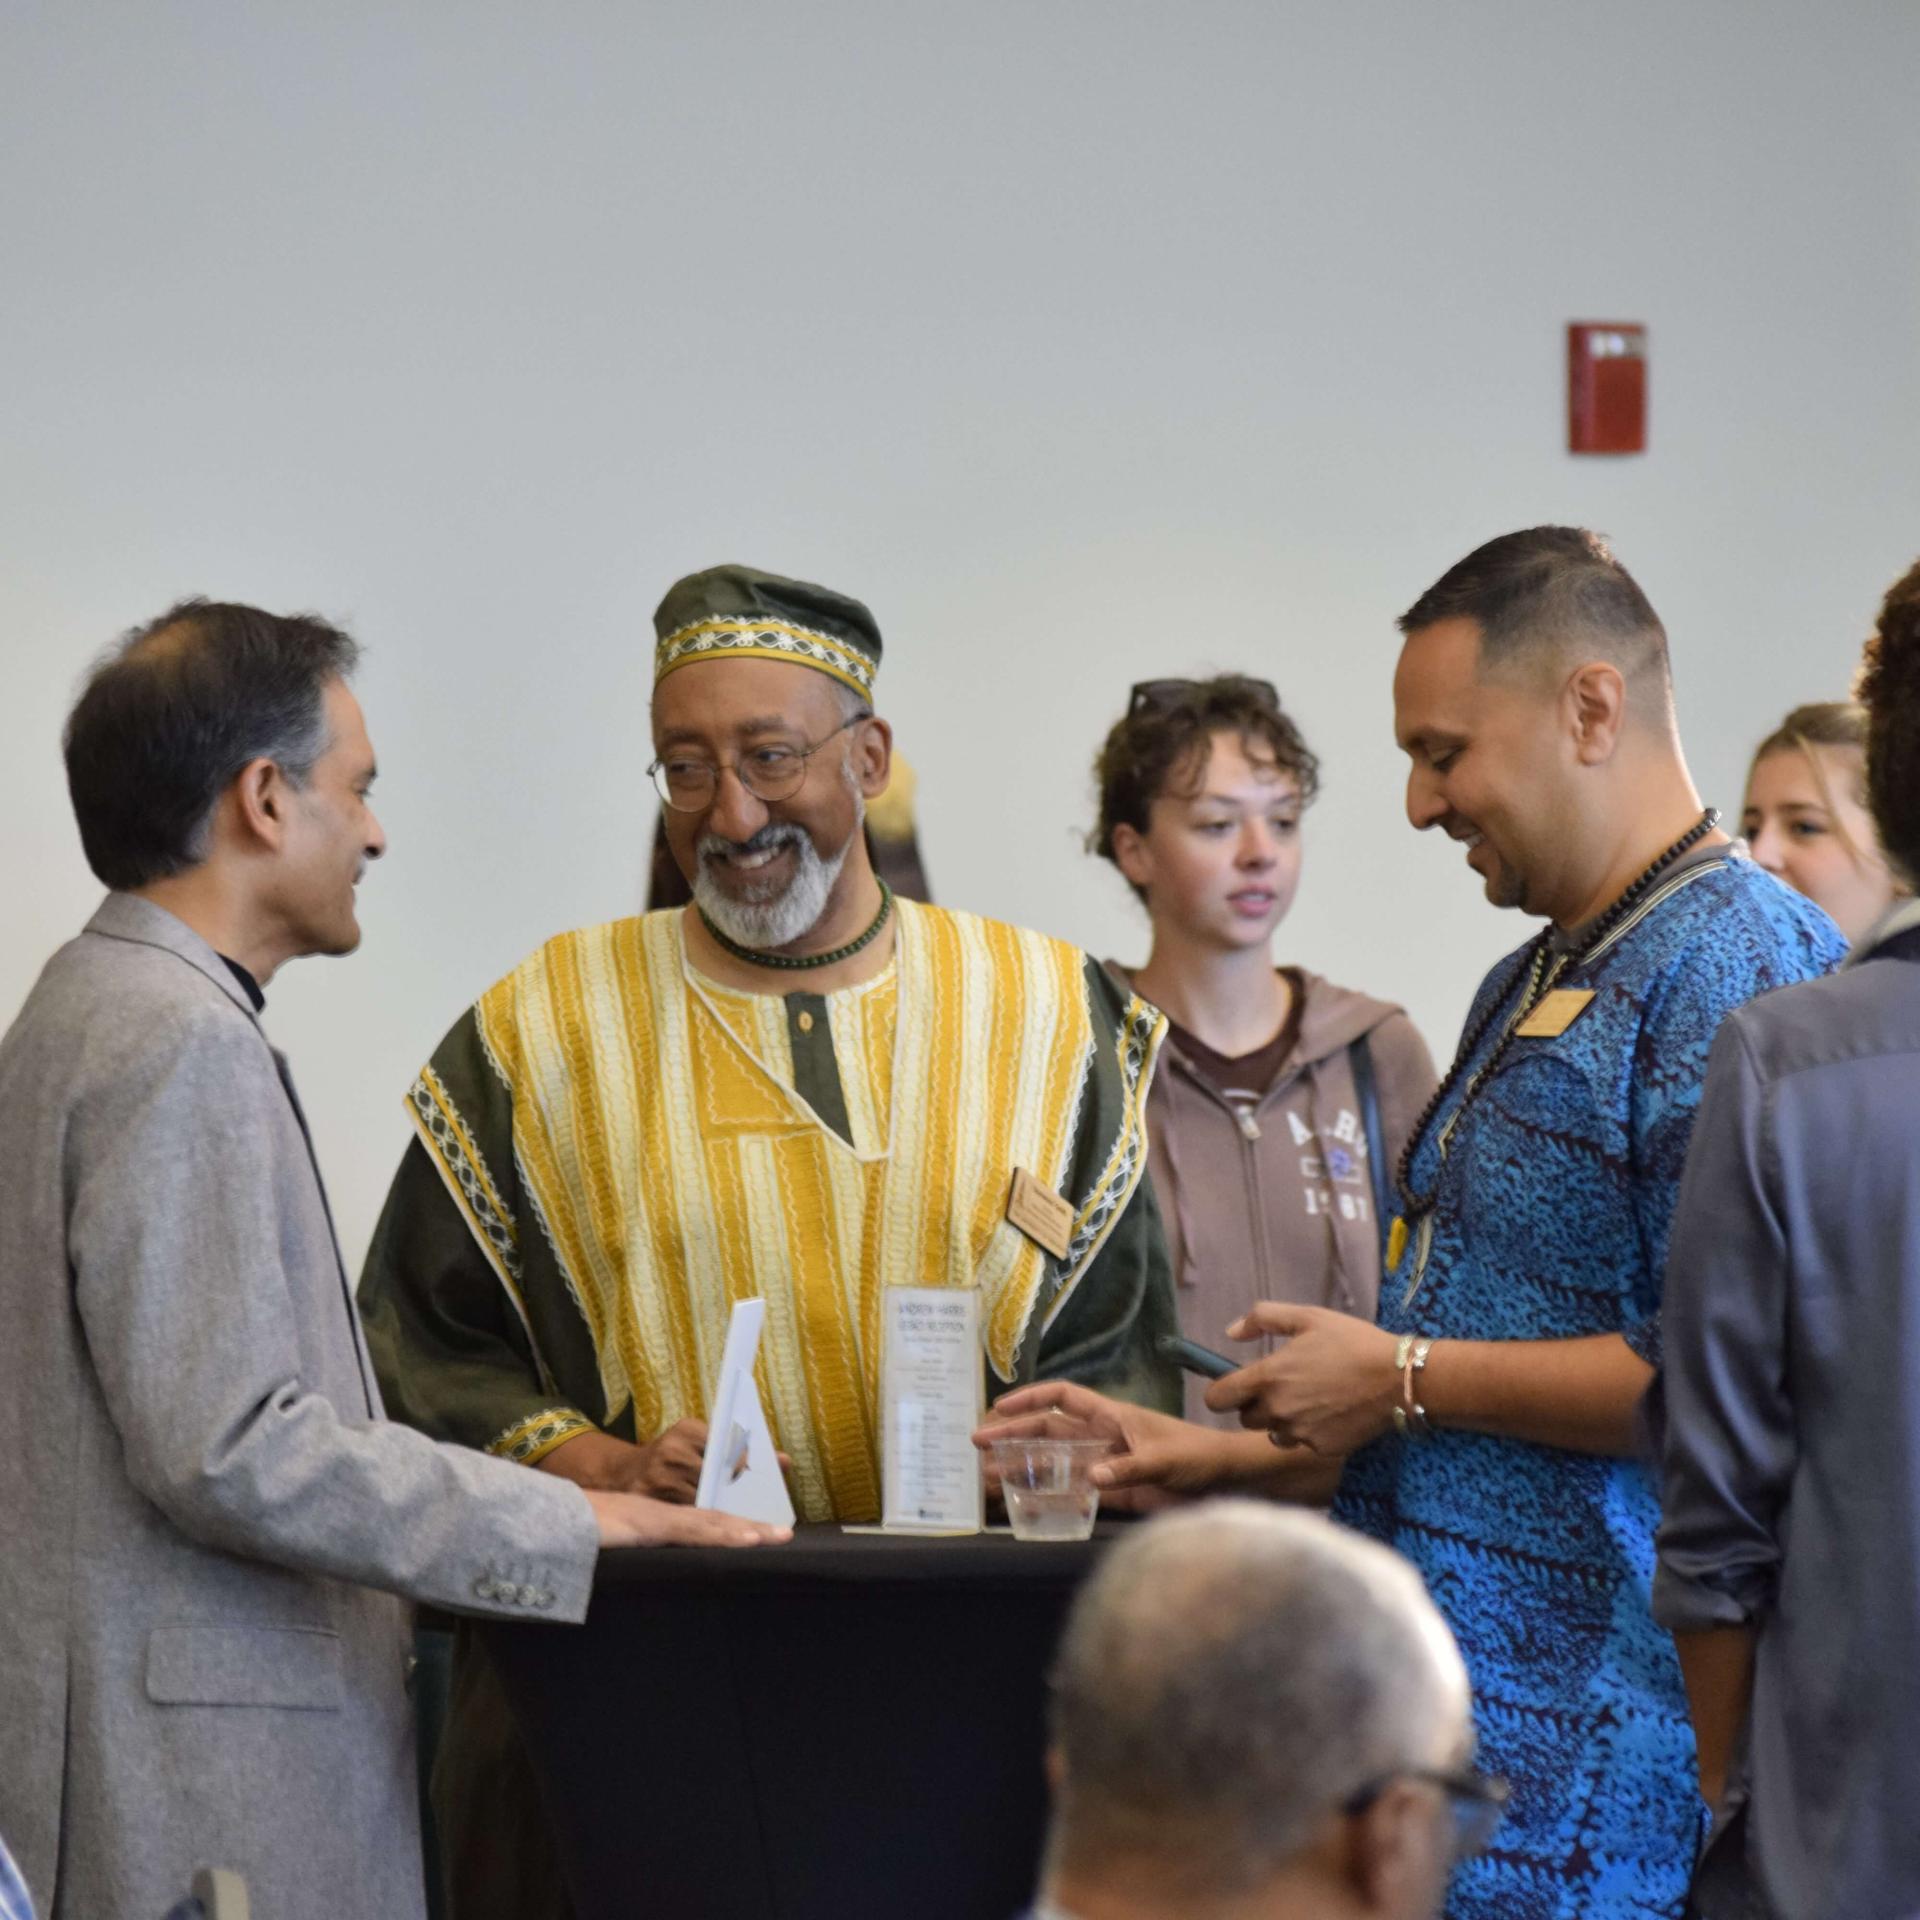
730	612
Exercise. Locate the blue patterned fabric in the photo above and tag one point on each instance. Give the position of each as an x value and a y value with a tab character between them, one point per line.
14	1904
1555	1199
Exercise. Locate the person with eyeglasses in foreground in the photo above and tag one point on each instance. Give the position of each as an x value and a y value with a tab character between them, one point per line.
15	1902
1282	1100
799	1087
1789	1546
1257	1715
1486	1426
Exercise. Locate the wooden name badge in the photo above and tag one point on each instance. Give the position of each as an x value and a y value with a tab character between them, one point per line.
1555	1014
1040	1213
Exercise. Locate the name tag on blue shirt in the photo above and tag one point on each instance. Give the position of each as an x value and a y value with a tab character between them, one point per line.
1555	1014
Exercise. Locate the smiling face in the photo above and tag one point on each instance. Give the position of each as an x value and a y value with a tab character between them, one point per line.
766	870
329	835
1806	824
1220	859
1490	767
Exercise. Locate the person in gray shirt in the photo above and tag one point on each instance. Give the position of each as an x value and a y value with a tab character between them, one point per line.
1788	1417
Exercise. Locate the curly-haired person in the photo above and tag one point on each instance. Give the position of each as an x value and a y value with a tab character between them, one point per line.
1282	1099
1789	1554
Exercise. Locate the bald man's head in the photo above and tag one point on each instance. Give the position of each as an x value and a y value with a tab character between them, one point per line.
1229	1678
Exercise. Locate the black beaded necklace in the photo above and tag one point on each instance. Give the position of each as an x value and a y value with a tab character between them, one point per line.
805	962
1540	976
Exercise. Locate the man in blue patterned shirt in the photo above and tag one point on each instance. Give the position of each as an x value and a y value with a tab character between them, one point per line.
14	1903
1490	1416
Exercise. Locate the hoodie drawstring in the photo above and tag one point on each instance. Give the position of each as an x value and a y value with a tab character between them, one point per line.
1342	1287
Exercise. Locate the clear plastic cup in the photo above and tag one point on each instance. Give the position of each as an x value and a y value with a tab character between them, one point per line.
1048	1494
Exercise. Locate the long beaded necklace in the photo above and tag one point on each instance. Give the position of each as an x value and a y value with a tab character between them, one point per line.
1542	972
804	962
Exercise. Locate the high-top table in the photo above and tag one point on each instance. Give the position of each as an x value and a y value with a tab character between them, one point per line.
846	1725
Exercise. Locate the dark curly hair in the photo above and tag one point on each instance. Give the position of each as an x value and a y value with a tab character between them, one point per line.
1889	688
1161	744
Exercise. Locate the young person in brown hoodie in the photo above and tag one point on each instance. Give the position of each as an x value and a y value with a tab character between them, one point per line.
1282	1100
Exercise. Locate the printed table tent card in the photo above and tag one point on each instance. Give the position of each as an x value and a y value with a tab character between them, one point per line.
741	1471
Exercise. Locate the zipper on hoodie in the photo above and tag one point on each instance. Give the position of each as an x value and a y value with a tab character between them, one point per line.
1250	1133
1250	1169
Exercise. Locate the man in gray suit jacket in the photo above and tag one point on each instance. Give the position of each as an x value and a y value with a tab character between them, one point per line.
206	1515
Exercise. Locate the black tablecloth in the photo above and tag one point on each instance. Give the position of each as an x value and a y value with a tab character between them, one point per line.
846	1725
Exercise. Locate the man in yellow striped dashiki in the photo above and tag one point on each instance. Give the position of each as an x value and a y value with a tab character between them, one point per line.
800	1088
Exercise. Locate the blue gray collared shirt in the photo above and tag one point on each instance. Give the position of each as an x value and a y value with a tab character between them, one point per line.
1789	1417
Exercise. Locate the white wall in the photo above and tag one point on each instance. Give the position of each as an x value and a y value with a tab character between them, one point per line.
1084	341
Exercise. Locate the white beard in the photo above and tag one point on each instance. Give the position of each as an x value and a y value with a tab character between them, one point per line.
762	917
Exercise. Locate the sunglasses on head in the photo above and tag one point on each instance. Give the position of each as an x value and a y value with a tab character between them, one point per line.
1158	696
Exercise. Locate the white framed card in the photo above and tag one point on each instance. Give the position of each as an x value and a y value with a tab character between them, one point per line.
932	1397
740	1471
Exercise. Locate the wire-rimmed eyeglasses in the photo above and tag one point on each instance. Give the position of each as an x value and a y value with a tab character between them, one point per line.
688	785
1476	1800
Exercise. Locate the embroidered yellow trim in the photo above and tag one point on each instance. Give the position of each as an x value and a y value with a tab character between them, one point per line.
534	1438
1142	1030
464	1172
739	637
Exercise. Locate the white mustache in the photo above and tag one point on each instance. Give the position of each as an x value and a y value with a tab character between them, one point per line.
771	838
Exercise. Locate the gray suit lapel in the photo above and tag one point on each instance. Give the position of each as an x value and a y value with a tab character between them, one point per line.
125	916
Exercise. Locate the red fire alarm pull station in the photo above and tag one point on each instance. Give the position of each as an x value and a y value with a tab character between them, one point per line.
1606	387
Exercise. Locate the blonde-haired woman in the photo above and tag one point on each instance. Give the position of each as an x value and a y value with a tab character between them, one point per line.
1806	819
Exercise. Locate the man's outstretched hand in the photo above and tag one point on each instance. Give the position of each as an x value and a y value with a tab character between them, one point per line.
634	1520
1155	1458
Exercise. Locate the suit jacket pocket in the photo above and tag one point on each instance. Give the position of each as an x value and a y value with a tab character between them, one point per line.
245	1667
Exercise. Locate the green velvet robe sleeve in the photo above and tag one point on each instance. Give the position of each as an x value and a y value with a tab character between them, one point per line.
1106	1334
456	1355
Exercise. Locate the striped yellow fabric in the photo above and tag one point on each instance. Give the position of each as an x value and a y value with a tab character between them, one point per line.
674	1168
